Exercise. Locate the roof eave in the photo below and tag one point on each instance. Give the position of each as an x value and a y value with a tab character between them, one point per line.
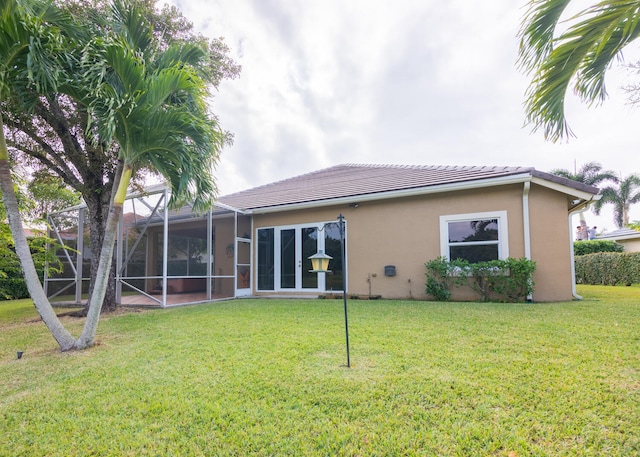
589	193
451	187
621	237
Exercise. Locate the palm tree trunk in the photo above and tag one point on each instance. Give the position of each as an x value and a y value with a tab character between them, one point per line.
106	259
65	340
583	219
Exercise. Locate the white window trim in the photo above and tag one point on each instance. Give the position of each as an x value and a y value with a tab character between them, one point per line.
503	230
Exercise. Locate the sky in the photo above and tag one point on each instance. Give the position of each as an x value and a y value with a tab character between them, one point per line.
411	82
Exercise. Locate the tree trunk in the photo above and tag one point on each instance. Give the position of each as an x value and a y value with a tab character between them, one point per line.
98	211
106	260
62	336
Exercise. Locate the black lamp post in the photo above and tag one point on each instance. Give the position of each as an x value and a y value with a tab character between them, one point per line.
320	264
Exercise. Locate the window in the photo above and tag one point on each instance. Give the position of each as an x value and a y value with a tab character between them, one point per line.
474	237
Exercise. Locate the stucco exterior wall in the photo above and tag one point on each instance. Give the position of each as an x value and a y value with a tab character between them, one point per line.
405	232
630	245
551	244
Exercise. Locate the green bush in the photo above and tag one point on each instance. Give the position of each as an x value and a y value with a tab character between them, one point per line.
497	280
593	246
441	276
11	289
608	268
508	280
12	285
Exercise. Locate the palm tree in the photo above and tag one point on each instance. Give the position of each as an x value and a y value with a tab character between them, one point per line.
55	135
622	196
592	174
154	106
151	102
30	33
577	57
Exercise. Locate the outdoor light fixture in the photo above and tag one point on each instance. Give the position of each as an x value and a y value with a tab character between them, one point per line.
320	264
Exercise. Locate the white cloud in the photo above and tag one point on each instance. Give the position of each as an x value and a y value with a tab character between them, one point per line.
411	81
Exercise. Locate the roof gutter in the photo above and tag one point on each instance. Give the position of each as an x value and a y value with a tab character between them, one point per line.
452	187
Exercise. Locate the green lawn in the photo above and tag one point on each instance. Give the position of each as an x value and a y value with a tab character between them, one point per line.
268	377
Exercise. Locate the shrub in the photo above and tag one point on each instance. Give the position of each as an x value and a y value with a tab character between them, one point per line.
11	289
608	268
509	280
593	246
12	284
441	274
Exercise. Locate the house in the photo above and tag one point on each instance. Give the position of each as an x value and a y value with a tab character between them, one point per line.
627	237
258	242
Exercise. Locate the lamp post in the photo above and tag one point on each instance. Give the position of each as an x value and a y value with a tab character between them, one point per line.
320	264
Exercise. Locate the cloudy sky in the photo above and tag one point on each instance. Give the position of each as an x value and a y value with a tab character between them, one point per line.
426	82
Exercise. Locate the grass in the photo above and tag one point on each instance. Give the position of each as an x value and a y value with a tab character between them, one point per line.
268	377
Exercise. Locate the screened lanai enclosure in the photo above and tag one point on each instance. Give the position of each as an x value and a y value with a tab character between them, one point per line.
163	257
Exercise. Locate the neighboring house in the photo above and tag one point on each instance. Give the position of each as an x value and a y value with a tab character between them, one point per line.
627	237
397	218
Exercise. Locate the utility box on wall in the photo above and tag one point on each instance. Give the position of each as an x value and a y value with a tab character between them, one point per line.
390	270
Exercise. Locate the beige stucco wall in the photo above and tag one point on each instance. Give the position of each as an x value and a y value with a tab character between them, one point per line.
551	244
630	245
406	233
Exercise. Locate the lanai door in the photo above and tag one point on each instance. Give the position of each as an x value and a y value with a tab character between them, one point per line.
243	267
283	258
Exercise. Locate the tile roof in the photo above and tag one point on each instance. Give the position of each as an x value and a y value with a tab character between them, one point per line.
353	180
620	234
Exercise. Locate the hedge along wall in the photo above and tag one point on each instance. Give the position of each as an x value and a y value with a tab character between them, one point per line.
593	246
608	268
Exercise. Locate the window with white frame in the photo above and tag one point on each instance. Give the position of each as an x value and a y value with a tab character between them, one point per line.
474	237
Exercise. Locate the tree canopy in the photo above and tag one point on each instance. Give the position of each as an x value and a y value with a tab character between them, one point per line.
59	134
573	58
591	173
621	197
126	97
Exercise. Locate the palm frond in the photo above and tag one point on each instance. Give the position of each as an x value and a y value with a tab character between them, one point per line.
537	31
130	23
578	58
621	196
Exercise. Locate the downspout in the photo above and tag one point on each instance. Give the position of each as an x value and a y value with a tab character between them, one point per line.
576	210
572	257
526	222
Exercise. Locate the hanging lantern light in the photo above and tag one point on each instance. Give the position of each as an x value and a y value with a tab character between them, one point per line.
320	262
